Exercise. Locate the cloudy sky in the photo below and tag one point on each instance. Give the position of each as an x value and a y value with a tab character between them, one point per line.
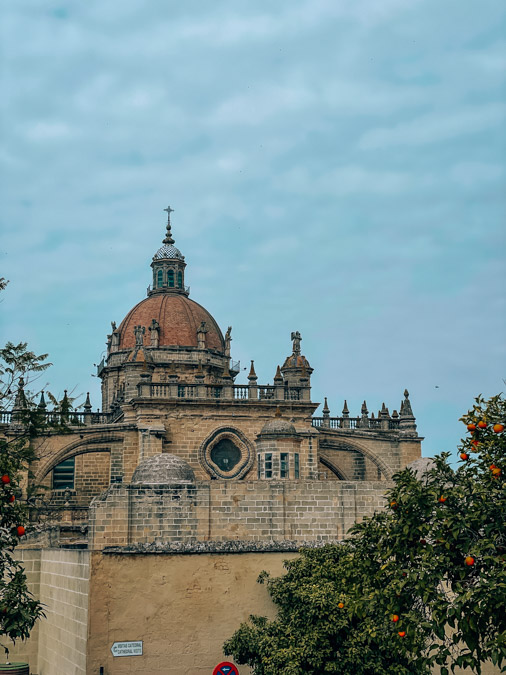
336	167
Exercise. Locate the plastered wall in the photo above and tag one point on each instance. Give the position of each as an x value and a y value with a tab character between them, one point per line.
183	607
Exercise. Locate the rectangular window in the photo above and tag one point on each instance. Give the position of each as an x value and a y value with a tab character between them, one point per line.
258	466
268	465
63	474
284	465
296	469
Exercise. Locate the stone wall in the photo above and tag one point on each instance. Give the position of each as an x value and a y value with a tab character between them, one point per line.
60	580
303	511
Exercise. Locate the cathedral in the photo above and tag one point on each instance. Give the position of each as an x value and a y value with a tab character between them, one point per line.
163	507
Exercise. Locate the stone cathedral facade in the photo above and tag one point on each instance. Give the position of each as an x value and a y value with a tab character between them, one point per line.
163	507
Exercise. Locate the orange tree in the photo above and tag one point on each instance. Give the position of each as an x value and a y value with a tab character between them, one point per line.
18	609
419	584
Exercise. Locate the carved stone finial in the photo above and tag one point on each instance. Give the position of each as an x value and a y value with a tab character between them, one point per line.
346	412
406	410
296	338
326	409
278	377
87	403
42	402
252	374
168	237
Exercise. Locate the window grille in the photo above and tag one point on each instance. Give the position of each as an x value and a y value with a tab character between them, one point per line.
296	466
284	465
63	474
268	465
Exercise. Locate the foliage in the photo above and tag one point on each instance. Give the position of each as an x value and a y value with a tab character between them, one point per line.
18	609
434	558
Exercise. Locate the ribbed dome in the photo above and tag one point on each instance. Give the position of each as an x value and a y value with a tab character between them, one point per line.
163	469
179	319
168	252
278	426
296	361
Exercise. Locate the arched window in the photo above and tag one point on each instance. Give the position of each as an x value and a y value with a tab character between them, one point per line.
180	279
170	278
160	278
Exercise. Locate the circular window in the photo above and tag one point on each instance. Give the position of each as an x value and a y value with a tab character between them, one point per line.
226	453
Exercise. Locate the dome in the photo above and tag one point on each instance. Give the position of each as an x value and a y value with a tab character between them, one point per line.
279	426
179	319
168	252
296	361
163	469
422	466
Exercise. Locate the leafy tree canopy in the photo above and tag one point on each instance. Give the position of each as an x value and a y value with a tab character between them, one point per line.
18	366
419	584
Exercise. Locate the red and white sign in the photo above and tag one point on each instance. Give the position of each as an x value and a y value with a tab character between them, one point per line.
225	668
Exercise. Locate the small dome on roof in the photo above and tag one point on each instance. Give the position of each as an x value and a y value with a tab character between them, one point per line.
295	361
422	466
168	251
279	426
163	469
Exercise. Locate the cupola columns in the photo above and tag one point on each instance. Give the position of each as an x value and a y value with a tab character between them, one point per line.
168	265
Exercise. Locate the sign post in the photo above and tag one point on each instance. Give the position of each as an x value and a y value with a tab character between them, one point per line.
127	648
225	668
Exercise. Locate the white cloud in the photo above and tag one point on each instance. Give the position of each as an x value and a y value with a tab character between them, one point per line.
436	127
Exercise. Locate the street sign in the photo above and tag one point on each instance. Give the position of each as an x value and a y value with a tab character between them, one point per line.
127	648
225	668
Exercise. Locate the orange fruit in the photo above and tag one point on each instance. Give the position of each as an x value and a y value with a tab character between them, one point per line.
498	428
471	427
469	560
12	498
496	471
20	530
442	499
402	633
6	479
395	618
464	456
482	425
393	504
340	605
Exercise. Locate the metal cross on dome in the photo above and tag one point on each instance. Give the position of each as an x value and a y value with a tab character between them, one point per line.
169	211
168	237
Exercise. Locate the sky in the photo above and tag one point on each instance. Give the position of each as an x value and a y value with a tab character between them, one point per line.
335	167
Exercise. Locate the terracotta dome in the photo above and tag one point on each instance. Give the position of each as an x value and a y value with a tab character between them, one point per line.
296	361
179	319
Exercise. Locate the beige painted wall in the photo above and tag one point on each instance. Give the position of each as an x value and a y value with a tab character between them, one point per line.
58	644
182	606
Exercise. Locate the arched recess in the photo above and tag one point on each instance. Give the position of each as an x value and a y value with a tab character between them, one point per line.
335	470
351	444
80	447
